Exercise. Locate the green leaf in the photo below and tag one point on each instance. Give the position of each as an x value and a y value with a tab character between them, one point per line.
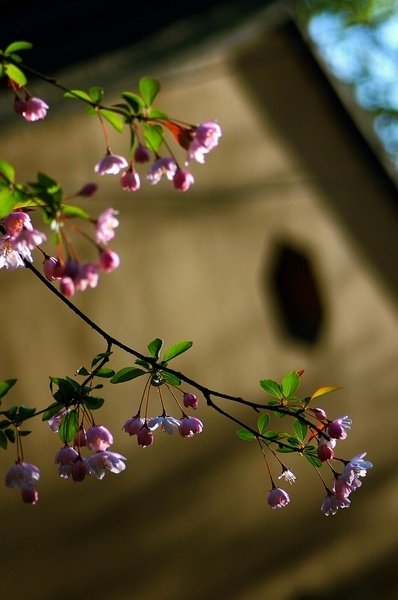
96	94
24	432
271	435
153	136
7	201
78	95
93	403
69	427
155	347
25	412
143	363
171	378
176	349
155	113
313	459
98	357
105	372
327	389
74	211
246	435
91	110
51	411
149	89
286	449
82	371
7	170
127	374
262	422
271	387
6	385
114	119
135	102
16	47
290	383
10	433
293	441
300	429
15	74
4	423
3	440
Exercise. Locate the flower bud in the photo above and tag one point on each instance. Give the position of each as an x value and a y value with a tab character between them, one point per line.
145	437
142	154
108	260
88	190
29	495
182	180
190	400
49	267
78	470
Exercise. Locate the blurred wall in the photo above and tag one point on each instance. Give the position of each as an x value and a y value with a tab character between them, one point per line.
188	518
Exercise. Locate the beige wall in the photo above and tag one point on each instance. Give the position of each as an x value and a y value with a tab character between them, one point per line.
188	518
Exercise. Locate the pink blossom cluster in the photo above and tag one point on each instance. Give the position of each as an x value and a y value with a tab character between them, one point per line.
186	426
348	481
345	483
18	241
75	276
24	476
197	140
97	439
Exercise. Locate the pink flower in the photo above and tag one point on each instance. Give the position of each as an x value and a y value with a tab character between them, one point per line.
32	109
355	468
98	438
100	462
106	223
16	221
49	265
182	180
142	154
56	419
29	495
65	459
162	166
338	429
130	180
9	257
22	475
108	260
67	287
332	503
87	277
165	422
205	138
110	164
190	400
341	488
287	475
190	426
134	425
278	498
30	238
145	437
